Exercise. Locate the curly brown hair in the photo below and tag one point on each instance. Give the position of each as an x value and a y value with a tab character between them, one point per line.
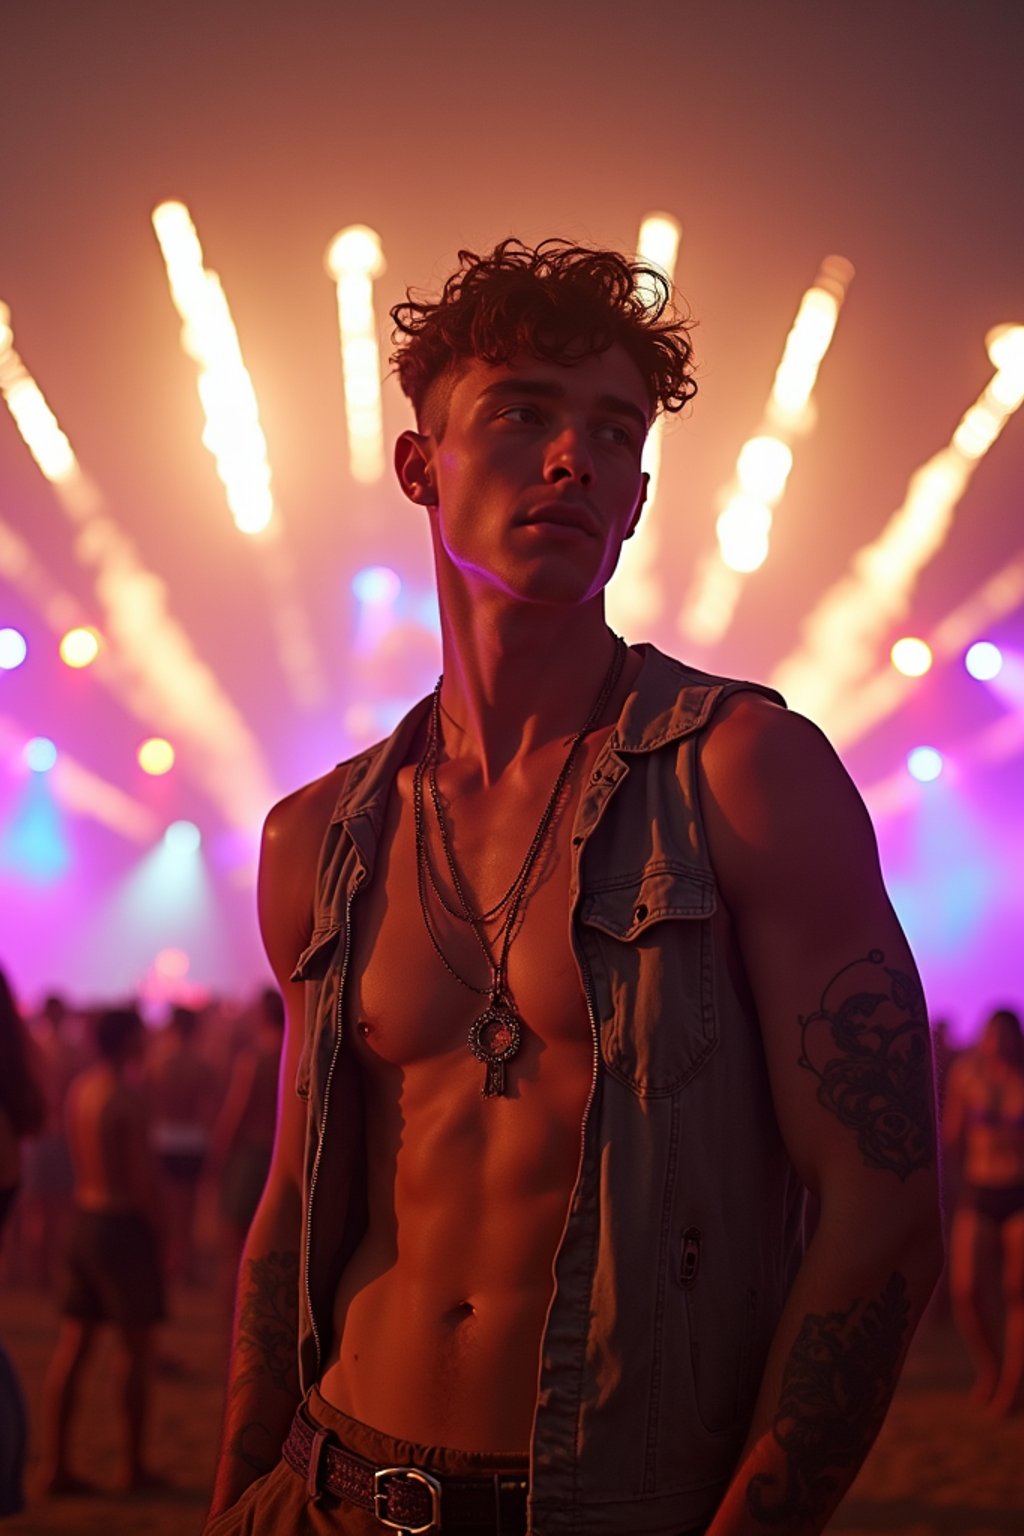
556	301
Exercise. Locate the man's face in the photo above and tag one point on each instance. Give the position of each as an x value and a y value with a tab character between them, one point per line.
537	478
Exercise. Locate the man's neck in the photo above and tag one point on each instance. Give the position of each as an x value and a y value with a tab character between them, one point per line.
515	686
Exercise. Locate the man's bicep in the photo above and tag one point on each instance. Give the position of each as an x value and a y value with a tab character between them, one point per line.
835	986
287	875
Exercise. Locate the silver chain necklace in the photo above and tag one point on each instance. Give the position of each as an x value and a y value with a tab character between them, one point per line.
497	1034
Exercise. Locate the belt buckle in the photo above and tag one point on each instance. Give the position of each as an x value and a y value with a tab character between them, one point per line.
414	1474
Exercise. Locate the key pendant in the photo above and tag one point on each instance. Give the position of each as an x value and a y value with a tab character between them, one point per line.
494	1039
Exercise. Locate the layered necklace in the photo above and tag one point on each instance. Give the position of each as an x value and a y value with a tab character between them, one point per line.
497	1034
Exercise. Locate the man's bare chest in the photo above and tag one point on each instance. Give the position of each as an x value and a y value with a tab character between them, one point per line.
420	975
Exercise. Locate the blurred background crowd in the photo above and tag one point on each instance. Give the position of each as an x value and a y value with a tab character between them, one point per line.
133	1152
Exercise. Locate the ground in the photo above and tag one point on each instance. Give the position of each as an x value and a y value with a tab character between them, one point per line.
940	1467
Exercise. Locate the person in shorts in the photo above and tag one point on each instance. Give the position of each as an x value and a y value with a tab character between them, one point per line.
112	1272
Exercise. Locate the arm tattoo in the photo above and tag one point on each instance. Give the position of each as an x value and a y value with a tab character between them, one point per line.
867	1045
252	1444
836	1387
266	1344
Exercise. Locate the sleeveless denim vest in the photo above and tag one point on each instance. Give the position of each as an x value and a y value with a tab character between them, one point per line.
684	1229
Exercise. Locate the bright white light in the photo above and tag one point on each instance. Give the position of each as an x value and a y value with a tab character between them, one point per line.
1005	347
805	347
376	585
984	660
924	764
233	433
764	462
35	421
354	259
156	756
658	245
911	656
40	754
13	649
743	530
183	837
80	647
762	468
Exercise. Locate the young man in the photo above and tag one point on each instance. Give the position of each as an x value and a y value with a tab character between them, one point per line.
590	974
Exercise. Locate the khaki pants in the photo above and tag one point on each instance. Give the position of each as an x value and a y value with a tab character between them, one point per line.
278	1505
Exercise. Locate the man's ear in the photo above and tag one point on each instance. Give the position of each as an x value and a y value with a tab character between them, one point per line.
413	456
645	481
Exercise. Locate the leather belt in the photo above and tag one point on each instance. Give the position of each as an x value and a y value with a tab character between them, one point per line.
405	1498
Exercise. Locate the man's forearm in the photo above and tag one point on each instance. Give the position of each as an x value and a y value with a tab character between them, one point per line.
263	1380
825	1398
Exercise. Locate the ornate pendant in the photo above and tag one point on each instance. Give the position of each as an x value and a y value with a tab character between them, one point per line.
494	1039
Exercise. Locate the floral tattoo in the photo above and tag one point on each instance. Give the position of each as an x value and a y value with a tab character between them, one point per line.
836	1388
867	1044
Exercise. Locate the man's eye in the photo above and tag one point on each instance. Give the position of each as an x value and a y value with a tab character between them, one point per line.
617	434
518	412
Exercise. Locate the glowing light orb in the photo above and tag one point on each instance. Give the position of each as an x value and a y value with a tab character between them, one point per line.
183	837
80	647
13	649
376	585
355	249
924	764
171	964
911	656
984	660
156	756
40	754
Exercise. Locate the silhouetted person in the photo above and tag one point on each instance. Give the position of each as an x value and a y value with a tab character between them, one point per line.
22	1113
184	1095
112	1270
243	1135
45	1207
984	1119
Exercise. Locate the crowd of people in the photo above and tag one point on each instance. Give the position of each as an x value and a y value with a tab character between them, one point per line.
133	1154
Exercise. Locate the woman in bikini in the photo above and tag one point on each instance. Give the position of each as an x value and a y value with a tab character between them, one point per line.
984	1121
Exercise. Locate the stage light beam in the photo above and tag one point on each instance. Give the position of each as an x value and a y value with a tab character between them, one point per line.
354	259
763	464
233	434
634	593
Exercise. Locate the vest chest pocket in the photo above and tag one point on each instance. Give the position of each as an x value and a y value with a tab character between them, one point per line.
648	938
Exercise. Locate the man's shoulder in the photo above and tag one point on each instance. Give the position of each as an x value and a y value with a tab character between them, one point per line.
309	805
672	699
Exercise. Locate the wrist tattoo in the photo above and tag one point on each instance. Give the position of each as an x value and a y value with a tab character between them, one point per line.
867	1044
266	1341
836	1387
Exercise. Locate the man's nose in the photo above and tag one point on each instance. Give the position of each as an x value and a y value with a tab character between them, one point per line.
569	458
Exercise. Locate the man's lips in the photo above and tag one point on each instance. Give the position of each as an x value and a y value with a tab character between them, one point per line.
563	514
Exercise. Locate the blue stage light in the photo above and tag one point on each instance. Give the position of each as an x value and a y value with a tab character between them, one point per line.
924	764
376	585
984	660
40	754
13	649
183	837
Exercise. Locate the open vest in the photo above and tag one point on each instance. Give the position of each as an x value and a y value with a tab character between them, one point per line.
684	1229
